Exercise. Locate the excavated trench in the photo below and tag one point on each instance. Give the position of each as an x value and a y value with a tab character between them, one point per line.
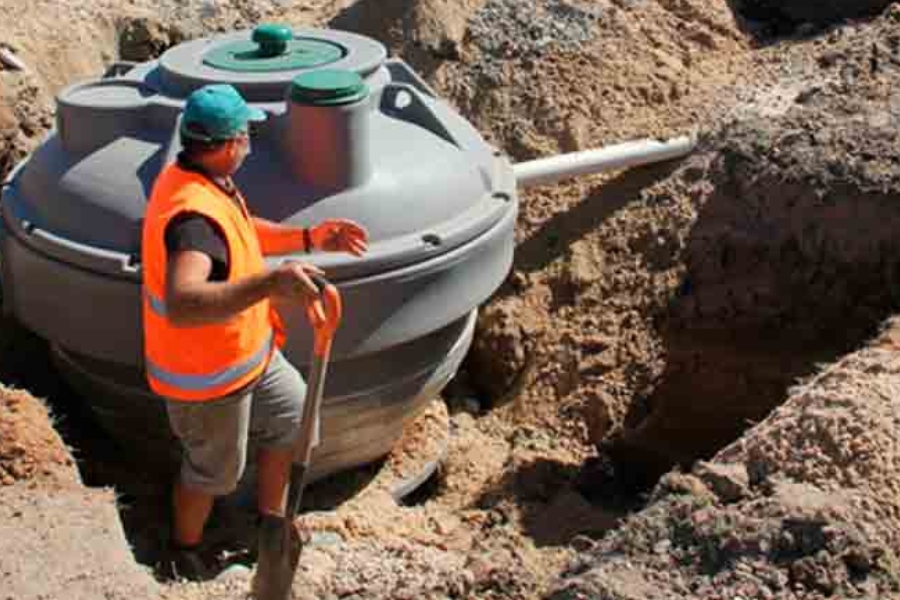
789	261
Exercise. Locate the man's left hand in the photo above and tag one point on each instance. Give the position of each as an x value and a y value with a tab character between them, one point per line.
339	235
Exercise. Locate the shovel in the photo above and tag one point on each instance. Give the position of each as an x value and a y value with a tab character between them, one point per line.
279	543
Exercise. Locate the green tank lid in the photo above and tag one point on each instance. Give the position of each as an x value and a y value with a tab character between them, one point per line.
272	38
273	47
328	87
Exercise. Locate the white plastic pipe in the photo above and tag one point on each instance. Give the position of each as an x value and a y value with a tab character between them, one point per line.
620	156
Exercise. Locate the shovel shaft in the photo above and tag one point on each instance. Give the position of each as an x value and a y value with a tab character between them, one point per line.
295	490
309	433
309	428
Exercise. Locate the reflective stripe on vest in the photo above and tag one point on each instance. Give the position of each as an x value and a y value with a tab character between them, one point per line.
197	383
157	305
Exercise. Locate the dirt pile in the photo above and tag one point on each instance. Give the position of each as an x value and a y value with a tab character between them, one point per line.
816	516
595	261
659	289
578	300
787	261
24	116
57	538
422	31
67	544
30	449
563	75
143	38
73	41
790	240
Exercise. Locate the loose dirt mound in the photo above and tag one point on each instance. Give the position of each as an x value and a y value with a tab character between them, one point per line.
803	506
786	250
788	257
653	290
564	75
579	300
66	544
419	30
57	539
57	42
30	449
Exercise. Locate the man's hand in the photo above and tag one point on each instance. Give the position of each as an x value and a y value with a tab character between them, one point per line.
291	281
339	235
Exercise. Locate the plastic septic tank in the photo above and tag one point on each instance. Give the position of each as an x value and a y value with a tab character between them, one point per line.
350	134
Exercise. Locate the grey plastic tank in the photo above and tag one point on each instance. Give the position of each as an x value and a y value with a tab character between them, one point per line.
439	204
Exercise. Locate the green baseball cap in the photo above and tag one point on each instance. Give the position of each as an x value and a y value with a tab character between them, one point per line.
216	113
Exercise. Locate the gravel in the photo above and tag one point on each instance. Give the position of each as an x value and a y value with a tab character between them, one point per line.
514	29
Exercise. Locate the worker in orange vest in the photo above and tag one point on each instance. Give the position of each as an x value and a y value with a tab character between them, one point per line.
211	336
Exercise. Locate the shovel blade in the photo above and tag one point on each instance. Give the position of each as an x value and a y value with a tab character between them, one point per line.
277	556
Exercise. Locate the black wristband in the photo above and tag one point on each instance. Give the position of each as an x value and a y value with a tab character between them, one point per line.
307	240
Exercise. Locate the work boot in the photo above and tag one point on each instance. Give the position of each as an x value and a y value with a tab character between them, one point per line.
184	563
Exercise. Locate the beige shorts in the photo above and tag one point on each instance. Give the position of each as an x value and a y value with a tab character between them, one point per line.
214	434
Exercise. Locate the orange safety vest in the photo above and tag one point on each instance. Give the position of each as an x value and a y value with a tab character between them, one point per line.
206	361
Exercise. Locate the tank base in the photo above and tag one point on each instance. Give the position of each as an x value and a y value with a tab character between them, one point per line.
358	426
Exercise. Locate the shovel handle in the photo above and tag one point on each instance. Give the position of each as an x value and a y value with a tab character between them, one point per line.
324	314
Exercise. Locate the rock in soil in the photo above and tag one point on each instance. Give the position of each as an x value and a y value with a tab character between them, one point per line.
729	482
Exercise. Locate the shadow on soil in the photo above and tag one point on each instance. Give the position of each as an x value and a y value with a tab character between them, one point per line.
391	23
555	502
559	232
770	21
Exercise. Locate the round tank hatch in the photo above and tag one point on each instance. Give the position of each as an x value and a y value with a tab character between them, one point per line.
261	63
274	48
328	87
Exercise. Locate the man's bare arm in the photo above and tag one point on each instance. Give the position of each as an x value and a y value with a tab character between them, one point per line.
192	300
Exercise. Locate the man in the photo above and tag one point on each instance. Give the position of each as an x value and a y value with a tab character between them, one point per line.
211	337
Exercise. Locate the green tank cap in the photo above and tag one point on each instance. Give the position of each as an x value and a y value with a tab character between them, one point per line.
328	87
272	48
272	39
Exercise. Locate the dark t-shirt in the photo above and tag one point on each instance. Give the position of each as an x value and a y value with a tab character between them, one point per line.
193	231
